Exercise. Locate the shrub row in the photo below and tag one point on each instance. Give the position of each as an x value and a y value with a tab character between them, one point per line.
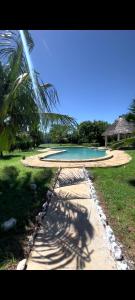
124	143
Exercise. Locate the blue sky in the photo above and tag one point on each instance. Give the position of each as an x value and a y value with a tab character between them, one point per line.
92	70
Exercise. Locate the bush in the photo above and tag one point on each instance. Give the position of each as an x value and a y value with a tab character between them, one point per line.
124	143
95	145
42	177
23	142
9	178
10	172
91	144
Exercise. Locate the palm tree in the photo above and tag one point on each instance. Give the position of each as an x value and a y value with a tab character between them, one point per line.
17	105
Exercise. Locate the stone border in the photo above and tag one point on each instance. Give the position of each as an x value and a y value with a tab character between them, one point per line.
114	246
119	158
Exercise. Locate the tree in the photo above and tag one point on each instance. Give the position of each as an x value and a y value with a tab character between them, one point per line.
18	109
130	116
3	87
91	132
37	137
73	136
132	107
59	133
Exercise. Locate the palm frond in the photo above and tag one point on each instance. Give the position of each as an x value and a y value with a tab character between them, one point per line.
29	39
9	42
6	51
18	63
10	97
54	118
49	96
7	137
20	88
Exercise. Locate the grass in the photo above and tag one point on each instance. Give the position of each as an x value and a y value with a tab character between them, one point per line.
57	145
17	200
116	188
69	145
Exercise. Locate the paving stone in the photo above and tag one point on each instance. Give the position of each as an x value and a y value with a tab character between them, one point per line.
72	236
119	158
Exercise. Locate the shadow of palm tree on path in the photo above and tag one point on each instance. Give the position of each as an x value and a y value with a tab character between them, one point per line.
65	236
71	178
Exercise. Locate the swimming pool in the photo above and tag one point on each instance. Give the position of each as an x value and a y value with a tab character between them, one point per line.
75	154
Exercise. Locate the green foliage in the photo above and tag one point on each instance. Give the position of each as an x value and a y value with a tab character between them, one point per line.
18	109
130	116
43	177
3	83
91	144
37	137
59	133
129	142
49	145
116	188
50	119
86	132
7	138
46	138
10	172
132	107
91	132
62	133
17	96
19	201
73	137
23	142
27	140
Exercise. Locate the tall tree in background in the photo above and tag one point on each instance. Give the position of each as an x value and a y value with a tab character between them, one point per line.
91	132
62	134
130	116
132	107
59	133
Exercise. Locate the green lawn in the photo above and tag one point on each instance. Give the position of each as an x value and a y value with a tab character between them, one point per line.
57	145
68	145
116	187
19	201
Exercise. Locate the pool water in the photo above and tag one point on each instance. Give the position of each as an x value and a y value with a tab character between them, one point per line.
76	153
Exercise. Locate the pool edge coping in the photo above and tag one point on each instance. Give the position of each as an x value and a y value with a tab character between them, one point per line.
108	156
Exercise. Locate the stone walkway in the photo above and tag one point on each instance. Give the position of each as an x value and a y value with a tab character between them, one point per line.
71	236
118	158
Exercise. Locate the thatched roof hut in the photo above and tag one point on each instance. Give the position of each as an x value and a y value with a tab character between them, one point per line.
120	126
